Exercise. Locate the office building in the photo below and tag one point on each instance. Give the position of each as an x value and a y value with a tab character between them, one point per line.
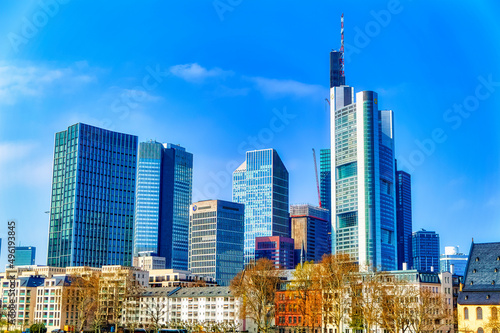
216	232
25	255
325	186
278	249
425	251
93	191
403	218
310	226
163	196
261	184
147	262
161	278
363	198
453	261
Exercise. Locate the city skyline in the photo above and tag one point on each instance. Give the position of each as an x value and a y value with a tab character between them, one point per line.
277	99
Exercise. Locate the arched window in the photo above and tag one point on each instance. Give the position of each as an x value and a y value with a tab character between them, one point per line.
494	313
480	330
466	313
479	314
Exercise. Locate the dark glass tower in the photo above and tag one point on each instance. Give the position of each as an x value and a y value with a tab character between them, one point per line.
92	206
261	184
337	77
164	188
403	217
425	248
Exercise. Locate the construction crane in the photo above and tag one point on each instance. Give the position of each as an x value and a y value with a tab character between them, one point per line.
317	180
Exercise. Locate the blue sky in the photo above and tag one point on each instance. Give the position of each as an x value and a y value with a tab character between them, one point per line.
220	77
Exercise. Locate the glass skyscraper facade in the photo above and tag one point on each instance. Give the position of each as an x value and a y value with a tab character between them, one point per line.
425	251
25	255
278	249
261	184
404	219
363	179
216	232
452	257
93	191
163	196
325	186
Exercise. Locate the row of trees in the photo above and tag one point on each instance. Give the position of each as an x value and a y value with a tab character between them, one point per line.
337	293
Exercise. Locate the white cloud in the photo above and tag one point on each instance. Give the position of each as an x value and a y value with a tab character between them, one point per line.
196	73
280	88
17	81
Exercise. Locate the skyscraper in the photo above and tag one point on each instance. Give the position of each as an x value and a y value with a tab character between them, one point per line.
261	184
278	249
93	190
325	187
25	255
425	249
310	226
452	257
163	196
363	197
403	218
216	239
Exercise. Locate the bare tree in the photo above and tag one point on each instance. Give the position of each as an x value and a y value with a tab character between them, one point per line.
397	299
256	286
336	278
429	311
368	299
308	294
493	322
118	287
82	296
156	310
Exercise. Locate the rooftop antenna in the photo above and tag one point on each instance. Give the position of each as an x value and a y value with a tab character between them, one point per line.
341	59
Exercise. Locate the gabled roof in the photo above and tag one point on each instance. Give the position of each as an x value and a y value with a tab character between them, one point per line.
483	268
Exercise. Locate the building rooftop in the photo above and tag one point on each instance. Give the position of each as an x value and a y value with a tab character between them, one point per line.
482	275
203	292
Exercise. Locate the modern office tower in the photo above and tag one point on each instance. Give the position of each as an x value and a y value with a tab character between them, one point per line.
93	190
310	226
403	218
261	184
453	261
25	255
147	262
325	186
363	166
278	249
216	233
163	196
425	249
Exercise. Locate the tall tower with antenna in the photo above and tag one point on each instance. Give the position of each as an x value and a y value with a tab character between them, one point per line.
337	77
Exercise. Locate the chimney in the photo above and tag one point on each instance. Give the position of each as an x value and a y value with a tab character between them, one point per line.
432	269
405	266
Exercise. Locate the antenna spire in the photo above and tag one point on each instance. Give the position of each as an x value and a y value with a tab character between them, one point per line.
341	58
